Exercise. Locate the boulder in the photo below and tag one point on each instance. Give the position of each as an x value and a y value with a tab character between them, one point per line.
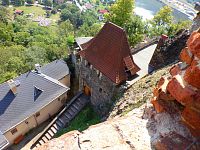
172	141
186	56
191	117
193	43
192	75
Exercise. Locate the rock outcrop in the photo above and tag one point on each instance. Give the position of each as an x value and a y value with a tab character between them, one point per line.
168	50
125	133
181	90
140	129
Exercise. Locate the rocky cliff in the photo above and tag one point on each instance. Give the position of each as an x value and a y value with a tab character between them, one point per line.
180	92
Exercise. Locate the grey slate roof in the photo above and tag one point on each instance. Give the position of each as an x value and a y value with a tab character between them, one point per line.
56	69
82	40
16	108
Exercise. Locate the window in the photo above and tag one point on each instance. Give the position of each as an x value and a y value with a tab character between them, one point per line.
88	65
37	114
100	90
100	75
59	99
13	131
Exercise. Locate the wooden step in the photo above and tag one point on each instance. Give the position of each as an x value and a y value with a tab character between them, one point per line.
51	133
59	123
54	130
76	106
74	109
62	121
65	117
41	142
56	126
45	139
67	120
80	101
48	136
71	113
68	115
38	145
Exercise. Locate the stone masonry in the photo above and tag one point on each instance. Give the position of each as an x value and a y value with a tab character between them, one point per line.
183	87
102	88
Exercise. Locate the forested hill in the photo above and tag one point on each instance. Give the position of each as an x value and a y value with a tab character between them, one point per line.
37	33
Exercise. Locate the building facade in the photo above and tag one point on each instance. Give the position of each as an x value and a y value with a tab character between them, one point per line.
30	99
104	63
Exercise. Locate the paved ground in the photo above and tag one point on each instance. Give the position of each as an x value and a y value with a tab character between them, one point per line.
29	137
142	59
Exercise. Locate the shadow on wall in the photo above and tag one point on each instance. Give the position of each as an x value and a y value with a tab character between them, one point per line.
6	101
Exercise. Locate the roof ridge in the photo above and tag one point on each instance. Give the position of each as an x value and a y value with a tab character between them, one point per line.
50	79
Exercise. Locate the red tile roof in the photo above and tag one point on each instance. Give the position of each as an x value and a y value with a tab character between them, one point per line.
102	11
109	52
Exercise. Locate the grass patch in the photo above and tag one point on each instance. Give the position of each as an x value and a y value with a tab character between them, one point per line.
132	106
38	11
82	121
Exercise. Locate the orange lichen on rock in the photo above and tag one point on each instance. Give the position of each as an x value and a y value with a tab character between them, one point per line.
192	76
175	70
184	95
159	108
183	86
194	43
186	56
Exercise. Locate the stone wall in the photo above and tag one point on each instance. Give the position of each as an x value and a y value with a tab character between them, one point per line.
102	88
168	52
183	87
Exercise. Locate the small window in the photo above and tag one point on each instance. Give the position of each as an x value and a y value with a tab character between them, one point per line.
37	114
100	90
88	65
59	99
13	131
100	75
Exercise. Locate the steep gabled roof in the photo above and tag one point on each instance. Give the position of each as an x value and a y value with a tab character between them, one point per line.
34	91
109	52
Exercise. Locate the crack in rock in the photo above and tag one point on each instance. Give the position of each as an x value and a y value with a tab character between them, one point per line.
124	138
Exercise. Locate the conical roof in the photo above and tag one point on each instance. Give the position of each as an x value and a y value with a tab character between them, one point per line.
109	52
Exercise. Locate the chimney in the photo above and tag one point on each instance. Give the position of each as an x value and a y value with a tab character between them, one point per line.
38	68
13	86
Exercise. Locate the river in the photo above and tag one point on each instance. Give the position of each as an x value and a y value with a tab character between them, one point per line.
148	8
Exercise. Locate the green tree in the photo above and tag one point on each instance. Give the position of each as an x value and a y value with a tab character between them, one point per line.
89	17
163	23
48	3
86	30
30	1
22	38
6	33
5	2
66	29
72	13
5	16
18	2
15	64
120	12
135	30
34	55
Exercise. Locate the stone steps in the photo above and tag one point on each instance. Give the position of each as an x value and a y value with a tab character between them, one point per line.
61	121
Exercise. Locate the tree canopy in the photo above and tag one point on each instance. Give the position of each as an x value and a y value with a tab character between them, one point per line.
121	12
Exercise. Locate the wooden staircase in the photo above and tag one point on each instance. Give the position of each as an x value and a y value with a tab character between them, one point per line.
61	120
